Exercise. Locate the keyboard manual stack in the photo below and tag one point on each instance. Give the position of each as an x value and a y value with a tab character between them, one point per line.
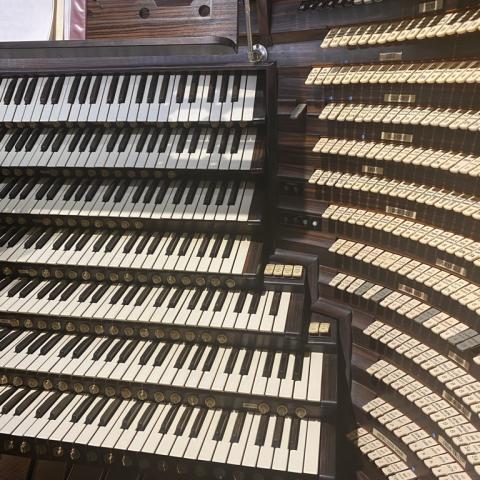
143	324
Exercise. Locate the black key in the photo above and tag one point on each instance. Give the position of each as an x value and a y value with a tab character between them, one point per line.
127	299
223	143
231	360
127	133
59	139
162	190
209	193
61	406
294	434
203	246
211	88
96	89
96	139
57	244
17	100
240	302
192	148
123	91
221	426
113	242
118	294
122	188
233	193
18	187
83	240
95	411
282	369
82	98
197	425
47	404
162	297
24	343
183	356
187	240
27	402
72	95
220	301
54	189
86	292
157	238
174	299
247	361
277	432
9	185
267	368
13	402
30	288
236	86
195	298
179	192
174	239
75	139
223	88
112	90
93	189
164	88
50	344
142	244
7	98
69	346
86	139
69	291
112	141
44	291
252	309
262	431
102	348
109	191
221	193
191	193
6	341
82	347
237	132
181	88
71	189
238	427
130	416
148	352
207	300
28	188
168	420
298	367
127	351
192	96
30	91
57	90
182	140
4	396
34	346
182	423
47	88
131	242
166	132
227	251
197	357
143	296
207	366
146	417
152	88
277	296
112	353
162	354
33	139
143	139
212	140
48	139
82	409
109	412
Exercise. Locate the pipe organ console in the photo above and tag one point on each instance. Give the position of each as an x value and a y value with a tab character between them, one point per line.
235	271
